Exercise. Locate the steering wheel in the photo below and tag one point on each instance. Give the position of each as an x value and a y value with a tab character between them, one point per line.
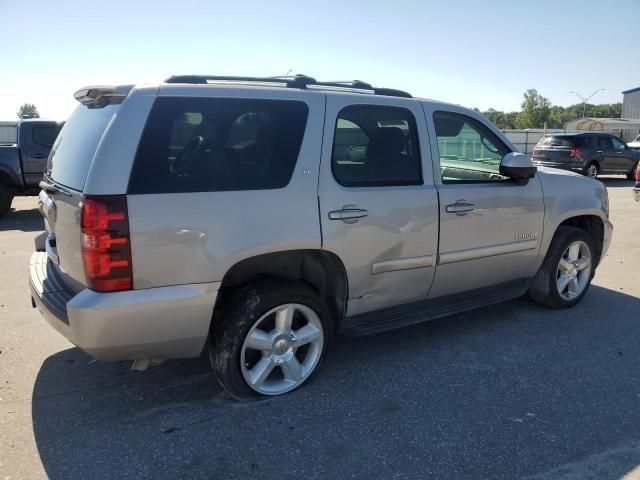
186	155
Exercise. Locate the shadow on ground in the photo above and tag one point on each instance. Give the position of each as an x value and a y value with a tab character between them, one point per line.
617	182
23	220
502	392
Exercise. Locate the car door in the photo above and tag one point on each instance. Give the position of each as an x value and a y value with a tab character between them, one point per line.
378	204
38	142
623	155
490	225
608	156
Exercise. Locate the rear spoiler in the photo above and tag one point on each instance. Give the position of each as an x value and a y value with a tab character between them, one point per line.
102	95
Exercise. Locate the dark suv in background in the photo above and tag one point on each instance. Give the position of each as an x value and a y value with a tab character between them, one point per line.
588	153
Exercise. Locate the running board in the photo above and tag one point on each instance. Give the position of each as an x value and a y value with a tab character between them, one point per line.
430	309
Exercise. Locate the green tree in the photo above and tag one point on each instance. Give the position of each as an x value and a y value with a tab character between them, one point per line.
28	110
536	110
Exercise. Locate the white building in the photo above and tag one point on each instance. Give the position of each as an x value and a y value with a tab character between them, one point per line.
631	110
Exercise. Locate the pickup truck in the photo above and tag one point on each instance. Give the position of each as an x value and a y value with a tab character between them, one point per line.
22	164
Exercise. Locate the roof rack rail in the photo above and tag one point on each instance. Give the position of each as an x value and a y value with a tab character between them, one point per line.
297	81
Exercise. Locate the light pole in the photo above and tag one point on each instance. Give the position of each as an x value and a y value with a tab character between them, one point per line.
586	99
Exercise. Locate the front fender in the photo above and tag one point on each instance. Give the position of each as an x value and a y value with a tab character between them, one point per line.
568	195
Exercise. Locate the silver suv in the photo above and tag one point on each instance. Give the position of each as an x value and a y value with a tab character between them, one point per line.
258	217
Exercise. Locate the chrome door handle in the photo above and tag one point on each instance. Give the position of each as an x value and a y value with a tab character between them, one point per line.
460	208
347	213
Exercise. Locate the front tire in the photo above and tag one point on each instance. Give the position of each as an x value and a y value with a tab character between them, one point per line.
269	338
567	270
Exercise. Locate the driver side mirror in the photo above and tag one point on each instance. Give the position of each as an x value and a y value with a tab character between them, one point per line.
517	166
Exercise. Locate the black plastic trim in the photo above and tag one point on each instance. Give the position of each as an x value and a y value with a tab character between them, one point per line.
431	309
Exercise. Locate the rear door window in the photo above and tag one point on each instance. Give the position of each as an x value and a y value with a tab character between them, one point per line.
582	142
44	136
604	143
218	144
376	146
76	144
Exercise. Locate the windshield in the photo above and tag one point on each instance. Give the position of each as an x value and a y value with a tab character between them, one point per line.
76	144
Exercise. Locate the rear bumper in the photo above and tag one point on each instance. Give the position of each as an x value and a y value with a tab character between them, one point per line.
153	323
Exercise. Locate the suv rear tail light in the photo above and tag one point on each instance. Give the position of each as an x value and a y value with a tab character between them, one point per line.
638	173
106	248
575	152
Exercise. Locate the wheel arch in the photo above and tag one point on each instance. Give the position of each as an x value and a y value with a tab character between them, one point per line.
593	225
322	270
595	161
8	178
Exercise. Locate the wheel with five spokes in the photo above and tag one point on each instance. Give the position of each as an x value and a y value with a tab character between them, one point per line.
269	338
567	270
592	170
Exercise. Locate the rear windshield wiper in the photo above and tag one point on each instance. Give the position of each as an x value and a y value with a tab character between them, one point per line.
51	188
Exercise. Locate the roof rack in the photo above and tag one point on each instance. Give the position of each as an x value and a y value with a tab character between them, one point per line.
297	81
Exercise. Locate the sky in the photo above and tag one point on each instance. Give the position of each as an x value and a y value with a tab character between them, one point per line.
473	53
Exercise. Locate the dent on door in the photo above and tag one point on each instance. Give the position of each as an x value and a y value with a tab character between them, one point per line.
384	252
376	213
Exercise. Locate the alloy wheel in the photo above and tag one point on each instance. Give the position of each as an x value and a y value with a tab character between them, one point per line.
282	349
574	270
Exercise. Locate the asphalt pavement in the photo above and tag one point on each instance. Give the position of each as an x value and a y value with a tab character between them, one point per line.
510	391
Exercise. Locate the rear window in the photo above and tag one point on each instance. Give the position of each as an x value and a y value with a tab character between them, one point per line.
561	141
218	144
45	136
556	142
76	144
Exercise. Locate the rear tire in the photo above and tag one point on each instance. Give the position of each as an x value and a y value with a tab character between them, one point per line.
631	174
565	275
592	170
6	197
248	336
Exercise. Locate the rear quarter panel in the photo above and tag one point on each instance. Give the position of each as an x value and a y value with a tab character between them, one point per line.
186	238
111	166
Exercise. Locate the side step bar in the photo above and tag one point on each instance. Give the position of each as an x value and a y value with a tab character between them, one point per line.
430	309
